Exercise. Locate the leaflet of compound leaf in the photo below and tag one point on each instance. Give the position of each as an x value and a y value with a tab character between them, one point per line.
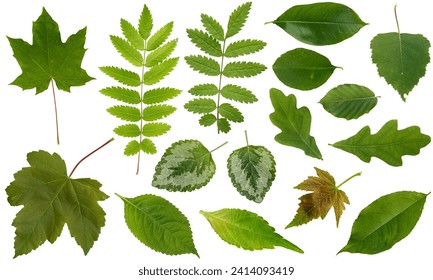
214	42
142	110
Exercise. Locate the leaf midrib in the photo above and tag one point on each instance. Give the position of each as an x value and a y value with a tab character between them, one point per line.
317	22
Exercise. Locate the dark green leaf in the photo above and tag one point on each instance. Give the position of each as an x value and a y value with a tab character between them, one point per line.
123	76
244	47
128	52
122	94
157	39
145	23
132	34
223	125
159	95
237	19
126	113
213	27
204	65
230	113
160	54
128	130
204	90
243	69
201	105
155	129
157	112
205	42
207	120
237	93
160	71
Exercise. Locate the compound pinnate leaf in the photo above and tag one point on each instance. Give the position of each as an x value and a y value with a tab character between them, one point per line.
126	113
159	71
123	76
159	95
303	69
126	95
212	27
155	129
230	113
160	36
204	65
320	23
159	224
252	171
237	93
349	101
204	90
324	195
242	69
237	19
131	34
385	222
201	106
160	54
207	120
127	51
205	42
157	112
388	144
145	24
128	130
295	123
244	47
246	230
185	166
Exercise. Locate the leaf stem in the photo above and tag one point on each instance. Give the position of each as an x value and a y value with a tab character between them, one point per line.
348	179
97	149
246	137
396	19
220	83
55	112
219	146
141	106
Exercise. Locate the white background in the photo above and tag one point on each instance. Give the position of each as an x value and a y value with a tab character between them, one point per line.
27	124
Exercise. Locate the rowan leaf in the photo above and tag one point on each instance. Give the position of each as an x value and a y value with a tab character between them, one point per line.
201	106
320	23
230	113
160	54
126	95
132	34
52	199
155	129
385	222
246	230
204	65
237	93
223	125
158	224
244	47
123	76
148	146
207	120
242	69
126	113
388	144
145	23
157	112
213	27
159	71
127	51
349	101
160	36
132	148
295	123
303	69
159	95
205	42
204	90
237	19
128	130
324	195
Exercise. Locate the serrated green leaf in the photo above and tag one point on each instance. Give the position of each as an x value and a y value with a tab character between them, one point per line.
160	71
161	53
145	23
230	112
132	34
213	27
201	105
155	129
252	171
128	52
385	222
223	125
295	123
237	93
157	112
122	94
246	230
51	198
159	225
303	69
205	42
204	65
123	76
185	166
242	69
388	144
126	113
401	59
159	95
320	23
349	101
207	120
244	47
128	130
204	90
157	39
237	19
132	148
148	146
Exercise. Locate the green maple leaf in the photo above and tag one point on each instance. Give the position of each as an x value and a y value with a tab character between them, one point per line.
48	59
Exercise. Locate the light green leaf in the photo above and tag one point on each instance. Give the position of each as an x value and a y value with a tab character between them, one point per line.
145	23
128	130
320	23
205	42
159	95
123	76
148	146
213	27
159	225
132	34
244	47
204	65
128	52
157	39
126	113
204	90
295	123
122	94
132	148
246	230
349	101
207	120
185	166
157	112
155	129
385	222
161	53
160	71
223	125
237	93
237	19
241	69
252	171
303	69
201	105
388	144
230	113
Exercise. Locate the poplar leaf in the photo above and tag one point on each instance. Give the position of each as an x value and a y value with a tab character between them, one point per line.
213	27
159	225
237	19
204	65
388	144
244	47
123	76
303	69
185	166
246	230
385	222
294	123
160	36
320	23
242	69
205	42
